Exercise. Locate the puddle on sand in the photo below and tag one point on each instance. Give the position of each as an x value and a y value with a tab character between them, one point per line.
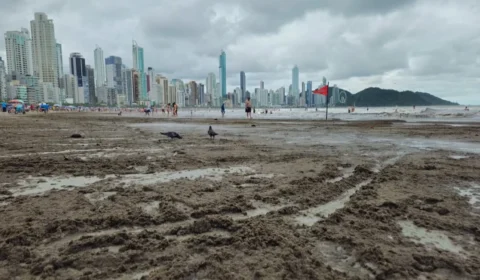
310	216
472	193
261	208
340	260
99	196
458	157
215	174
40	185
428	237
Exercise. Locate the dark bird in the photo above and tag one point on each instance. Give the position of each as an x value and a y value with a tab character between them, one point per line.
76	135
120	113
211	133
171	134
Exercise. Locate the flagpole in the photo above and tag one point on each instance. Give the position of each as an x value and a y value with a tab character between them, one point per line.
326	112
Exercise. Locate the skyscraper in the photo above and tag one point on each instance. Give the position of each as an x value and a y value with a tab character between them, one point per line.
309	94
138	65
262	85
91	84
223	74
113	67
210	83
100	72
3	82
201	94
193	99
19	52
79	71
150	83
295	78
243	88
44	48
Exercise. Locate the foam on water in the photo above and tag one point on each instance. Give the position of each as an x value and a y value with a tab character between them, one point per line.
310	216
423	236
458	157
472	192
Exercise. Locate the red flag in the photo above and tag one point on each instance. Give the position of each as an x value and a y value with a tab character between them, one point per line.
323	90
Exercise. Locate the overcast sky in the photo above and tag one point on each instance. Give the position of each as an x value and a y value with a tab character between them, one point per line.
424	45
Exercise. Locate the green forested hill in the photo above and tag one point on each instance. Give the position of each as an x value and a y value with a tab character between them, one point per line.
374	96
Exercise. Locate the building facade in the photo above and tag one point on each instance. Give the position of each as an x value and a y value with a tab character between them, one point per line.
18	45
91	84
295	82
243	84
100	71
139	66
3	80
44	48
223	75
113	67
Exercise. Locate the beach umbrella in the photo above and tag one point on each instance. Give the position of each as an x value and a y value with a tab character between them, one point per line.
16	101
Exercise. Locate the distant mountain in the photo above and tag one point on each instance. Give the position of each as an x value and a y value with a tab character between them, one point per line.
377	97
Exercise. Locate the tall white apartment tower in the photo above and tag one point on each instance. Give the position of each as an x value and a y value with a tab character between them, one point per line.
19	52
100	72
44	48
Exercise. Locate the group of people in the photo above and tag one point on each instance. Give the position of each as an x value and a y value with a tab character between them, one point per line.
170	107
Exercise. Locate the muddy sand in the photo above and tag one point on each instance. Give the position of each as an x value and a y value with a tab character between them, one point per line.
277	200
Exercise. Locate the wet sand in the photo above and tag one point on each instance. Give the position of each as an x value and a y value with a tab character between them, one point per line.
277	200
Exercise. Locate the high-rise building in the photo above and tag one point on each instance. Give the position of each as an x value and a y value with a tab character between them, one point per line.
3	80
223	74
44	48
309	95
210	83
136	86
162	89
262	85
243	86
71	88
100	72
139	66
150	83
201	94
19	52
127	76
59	53
113	67
79	71
91	84
295	78
193	98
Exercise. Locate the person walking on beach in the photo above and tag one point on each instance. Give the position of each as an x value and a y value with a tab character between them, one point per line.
248	108
168	110
223	109
175	109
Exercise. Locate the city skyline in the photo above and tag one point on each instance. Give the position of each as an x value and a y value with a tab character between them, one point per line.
408	60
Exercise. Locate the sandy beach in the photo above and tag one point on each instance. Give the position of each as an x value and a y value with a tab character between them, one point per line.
267	199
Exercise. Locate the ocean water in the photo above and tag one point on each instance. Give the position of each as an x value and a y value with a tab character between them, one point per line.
424	114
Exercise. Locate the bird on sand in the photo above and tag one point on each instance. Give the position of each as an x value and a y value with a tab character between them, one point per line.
211	133
171	134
